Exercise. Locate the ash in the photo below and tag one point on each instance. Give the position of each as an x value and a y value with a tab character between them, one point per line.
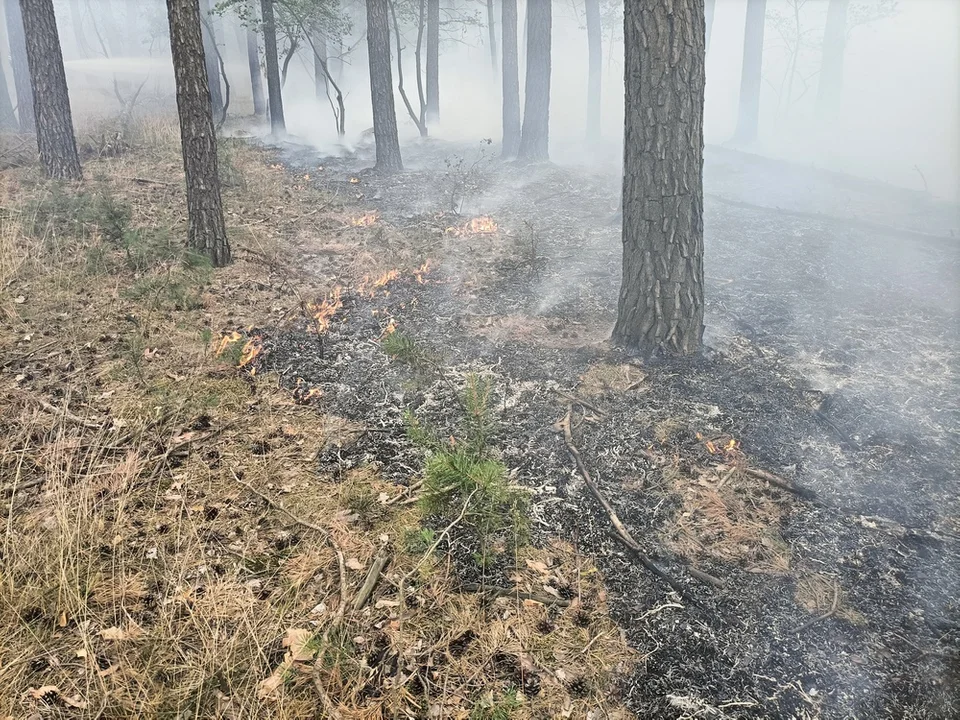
833	338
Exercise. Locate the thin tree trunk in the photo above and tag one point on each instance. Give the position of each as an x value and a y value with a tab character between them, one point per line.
20	66
210	59
277	124
256	78
132	32
433	61
492	37
511	80
709	8
750	76
51	101
287	57
661	296
381	87
535	134
830	84
76	20
319	60
206	231
418	120
595	65
8	118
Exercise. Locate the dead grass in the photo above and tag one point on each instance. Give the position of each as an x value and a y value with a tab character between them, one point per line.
816	593
138	577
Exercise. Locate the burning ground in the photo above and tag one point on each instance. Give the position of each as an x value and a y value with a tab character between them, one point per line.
832	326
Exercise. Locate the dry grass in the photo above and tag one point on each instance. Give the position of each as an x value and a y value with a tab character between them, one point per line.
818	594
138	577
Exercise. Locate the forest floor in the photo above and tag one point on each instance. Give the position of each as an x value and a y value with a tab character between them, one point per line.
201	470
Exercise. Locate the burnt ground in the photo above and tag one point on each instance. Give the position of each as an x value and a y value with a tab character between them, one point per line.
832	360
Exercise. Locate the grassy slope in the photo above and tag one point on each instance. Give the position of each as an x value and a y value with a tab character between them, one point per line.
138	577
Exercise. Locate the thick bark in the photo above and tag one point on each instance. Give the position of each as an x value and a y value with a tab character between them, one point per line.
433	61
535	134
661	297
492	37
210	59
709	8
511	80
206	233
381	87
830	84
319	63
594	66
277	124
51	101
256	78
750	77
20	66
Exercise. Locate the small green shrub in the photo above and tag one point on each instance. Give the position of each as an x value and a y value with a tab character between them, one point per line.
488	707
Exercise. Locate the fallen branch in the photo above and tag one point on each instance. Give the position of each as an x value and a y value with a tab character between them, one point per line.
64	413
373	577
579	401
510	592
830	613
621	531
151	181
277	506
781	483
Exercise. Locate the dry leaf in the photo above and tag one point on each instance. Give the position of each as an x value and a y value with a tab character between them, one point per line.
108	671
540	567
113	633
354	564
296	642
270	685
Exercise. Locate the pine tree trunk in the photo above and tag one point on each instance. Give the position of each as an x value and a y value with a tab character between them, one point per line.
661	296
381	87
750	76
76	20
492	37
433	61
132	30
319	58
51	101
830	84
277	124
20	66
708	10
595	65
511	80
256	79
535	134
206	232
210	60
8	118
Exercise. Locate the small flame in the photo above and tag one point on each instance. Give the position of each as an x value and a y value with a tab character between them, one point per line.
390	329
303	394
477	226
365	220
421	271
369	289
324	311
226	341
251	349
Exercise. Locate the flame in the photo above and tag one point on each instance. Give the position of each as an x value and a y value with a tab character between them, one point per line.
421	271
390	329
303	394
731	447
226	341
324	311
369	289
365	220
251	349
477	226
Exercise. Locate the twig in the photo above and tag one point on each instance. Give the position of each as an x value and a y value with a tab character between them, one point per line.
344	591
706	578
298	520
830	613
66	414
579	401
150	181
621	531
781	483
510	592
373	577
328	705
409	489
17	487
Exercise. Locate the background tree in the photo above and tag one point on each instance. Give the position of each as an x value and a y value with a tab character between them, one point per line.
8	118
419	118
492	36
210	56
594	69
51	101
433	60
206	233
253	62
19	65
661	296
320	58
750	75
709	8
76	21
511	79
535	133
277	124
381	87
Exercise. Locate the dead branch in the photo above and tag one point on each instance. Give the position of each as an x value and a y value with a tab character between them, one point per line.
277	506
830	613
574	399
150	181
781	483
510	592
63	412
409	489
373	577
621	531
706	578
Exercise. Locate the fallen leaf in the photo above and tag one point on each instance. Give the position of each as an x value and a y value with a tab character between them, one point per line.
62	620
113	633
540	567
354	564
107	672
20	299
297	642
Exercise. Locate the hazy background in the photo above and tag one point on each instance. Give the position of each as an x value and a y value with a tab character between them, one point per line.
900	108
